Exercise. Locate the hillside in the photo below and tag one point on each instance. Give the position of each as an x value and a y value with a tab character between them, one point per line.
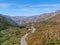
46	26
6	22
10	32
47	32
20	20
23	20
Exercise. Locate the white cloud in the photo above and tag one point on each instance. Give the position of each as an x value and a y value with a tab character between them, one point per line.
38	5
45	5
37	9
4	5
30	9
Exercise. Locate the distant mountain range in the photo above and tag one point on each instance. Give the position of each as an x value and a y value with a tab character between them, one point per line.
22	20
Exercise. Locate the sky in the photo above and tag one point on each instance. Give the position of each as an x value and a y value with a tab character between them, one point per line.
28	7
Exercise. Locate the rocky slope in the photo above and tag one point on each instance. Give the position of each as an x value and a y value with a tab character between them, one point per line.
47	32
26	20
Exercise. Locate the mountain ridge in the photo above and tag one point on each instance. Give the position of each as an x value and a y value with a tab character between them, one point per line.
6	22
22	20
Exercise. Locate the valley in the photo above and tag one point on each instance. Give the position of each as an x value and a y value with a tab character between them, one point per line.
41	29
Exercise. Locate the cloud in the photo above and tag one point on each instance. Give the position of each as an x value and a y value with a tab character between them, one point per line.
4	5
38	7
44	5
29	9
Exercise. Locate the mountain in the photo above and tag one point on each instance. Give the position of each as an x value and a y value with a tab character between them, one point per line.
6	22
10	32
47	32
22	20
47	29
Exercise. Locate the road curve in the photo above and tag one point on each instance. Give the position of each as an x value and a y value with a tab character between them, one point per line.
33	29
23	39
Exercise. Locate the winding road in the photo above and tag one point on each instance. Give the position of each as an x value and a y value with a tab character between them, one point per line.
23	39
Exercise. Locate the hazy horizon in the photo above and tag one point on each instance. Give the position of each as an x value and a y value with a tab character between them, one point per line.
30	15
28	7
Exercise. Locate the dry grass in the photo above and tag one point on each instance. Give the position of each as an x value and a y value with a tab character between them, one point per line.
46	33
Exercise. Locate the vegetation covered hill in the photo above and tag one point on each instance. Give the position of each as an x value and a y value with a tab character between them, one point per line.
6	22
10	32
47	32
